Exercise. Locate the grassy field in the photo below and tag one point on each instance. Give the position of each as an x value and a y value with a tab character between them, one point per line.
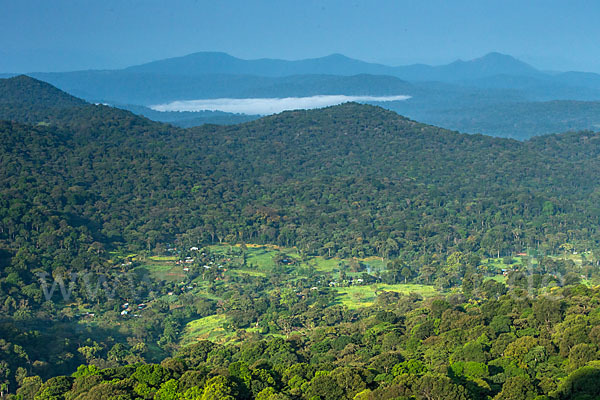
210	328
163	270
498	263
260	260
248	271
119	256
363	296
163	258
260	257
576	258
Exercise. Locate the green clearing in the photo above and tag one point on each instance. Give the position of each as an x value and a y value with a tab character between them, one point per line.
261	258
163	271
577	258
201	290
247	271
119	256
498	263
163	258
260	261
363	296
375	263
322	264
207	328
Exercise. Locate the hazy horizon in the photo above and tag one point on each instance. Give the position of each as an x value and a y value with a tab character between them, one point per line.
41	36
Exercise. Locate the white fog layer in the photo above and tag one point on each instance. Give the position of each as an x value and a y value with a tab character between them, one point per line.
265	106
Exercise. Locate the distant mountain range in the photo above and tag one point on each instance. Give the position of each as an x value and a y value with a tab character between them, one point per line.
211	75
336	64
462	95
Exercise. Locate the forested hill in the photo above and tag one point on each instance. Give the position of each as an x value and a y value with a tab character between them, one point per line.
348	180
26	99
23	90
86	188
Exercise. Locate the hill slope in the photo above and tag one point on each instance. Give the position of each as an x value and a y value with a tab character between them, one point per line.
351	174
95	186
25	91
23	99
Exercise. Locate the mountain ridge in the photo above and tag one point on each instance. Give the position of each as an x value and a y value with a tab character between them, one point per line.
217	62
450	95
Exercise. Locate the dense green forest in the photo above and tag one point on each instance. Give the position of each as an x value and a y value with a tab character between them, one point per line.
368	180
510	347
91	196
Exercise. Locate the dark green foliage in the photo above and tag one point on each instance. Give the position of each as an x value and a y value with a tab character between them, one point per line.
517	388
55	388
28	100
581	384
463	357
377	183
22	91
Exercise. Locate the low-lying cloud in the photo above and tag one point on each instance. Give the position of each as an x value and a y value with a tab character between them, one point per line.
266	106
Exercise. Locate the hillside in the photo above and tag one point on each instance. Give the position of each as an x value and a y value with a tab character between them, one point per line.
25	99
354	173
24	91
285	257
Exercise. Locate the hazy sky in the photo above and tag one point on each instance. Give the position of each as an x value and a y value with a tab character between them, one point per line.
58	35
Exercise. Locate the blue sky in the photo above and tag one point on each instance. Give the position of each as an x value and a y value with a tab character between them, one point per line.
59	35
